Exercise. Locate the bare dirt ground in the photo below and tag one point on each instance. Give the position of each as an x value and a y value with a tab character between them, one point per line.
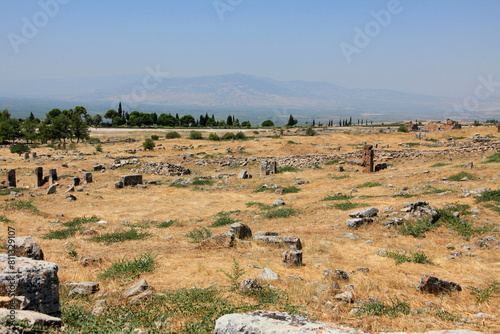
317	222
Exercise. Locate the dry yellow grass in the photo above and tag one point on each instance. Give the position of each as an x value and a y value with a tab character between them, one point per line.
183	264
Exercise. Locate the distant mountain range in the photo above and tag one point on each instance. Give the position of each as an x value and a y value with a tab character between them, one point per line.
249	97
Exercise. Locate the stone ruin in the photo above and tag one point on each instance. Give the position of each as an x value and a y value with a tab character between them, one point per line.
130	180
36	281
160	168
11	178
440	126
268	167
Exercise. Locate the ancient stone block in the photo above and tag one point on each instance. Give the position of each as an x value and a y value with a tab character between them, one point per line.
136	289
98	167
84	288
52	176
11	177
435	285
87	177
131	180
76	181
368	155
26	155
243	174
369	212
39	177
292	258
240	231
52	189
225	239
33	279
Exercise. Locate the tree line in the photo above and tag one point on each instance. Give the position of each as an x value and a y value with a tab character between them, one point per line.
72	124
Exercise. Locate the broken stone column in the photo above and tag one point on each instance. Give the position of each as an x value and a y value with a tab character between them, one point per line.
39	177
76	181
272	167
11	176
368	155
36	280
33	155
263	168
26	155
436	285
52	176
87	177
131	180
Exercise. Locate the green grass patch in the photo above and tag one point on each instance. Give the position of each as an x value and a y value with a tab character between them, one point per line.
178	185
440	164
131	269
332	162
369	185
279	212
489	195
291	142
412	144
287	169
340	177
198	235
341	197
4	219
416	229
432	190
202	182
405	195
115	237
167	224
461	175
24	205
494	158
380	309
223	219
7	191
347	205
462	226
409	257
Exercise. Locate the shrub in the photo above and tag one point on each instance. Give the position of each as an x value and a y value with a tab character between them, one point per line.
403	128
155	137
172	135
484	294
195	135
268	123
148	144
228	136
416	229
98	148
494	158
381	309
370	185
93	140
213	136
461	175
198	235
240	136
19	148
344	206
223	220
310	132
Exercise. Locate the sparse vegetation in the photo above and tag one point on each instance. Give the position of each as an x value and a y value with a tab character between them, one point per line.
347	205
287	169
483	294
460	225
417	257
24	205
340	177
341	197
332	162
440	164
213	136
369	185
148	144
4	219
416	229
167	223
130	269
494	158
223	219
114	237
73	226
198	235
196	135
381	309
460	176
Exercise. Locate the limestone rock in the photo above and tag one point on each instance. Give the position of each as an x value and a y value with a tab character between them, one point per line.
52	189
292	258
278	202
369	212
35	280
141	297
243	174
250	284
335	274
225	239
27	247
90	260
136	289
84	288
33	318
268	275
263	322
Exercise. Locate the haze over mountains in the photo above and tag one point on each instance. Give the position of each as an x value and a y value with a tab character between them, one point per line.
246	96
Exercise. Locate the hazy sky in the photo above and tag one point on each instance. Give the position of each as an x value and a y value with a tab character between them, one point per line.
428	47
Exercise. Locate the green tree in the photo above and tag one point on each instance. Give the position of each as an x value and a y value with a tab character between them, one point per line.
118	121
187	120
28	130
246	124
267	123
167	120
111	114
97	120
291	121
403	128
213	136
79	128
229	121
310	132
